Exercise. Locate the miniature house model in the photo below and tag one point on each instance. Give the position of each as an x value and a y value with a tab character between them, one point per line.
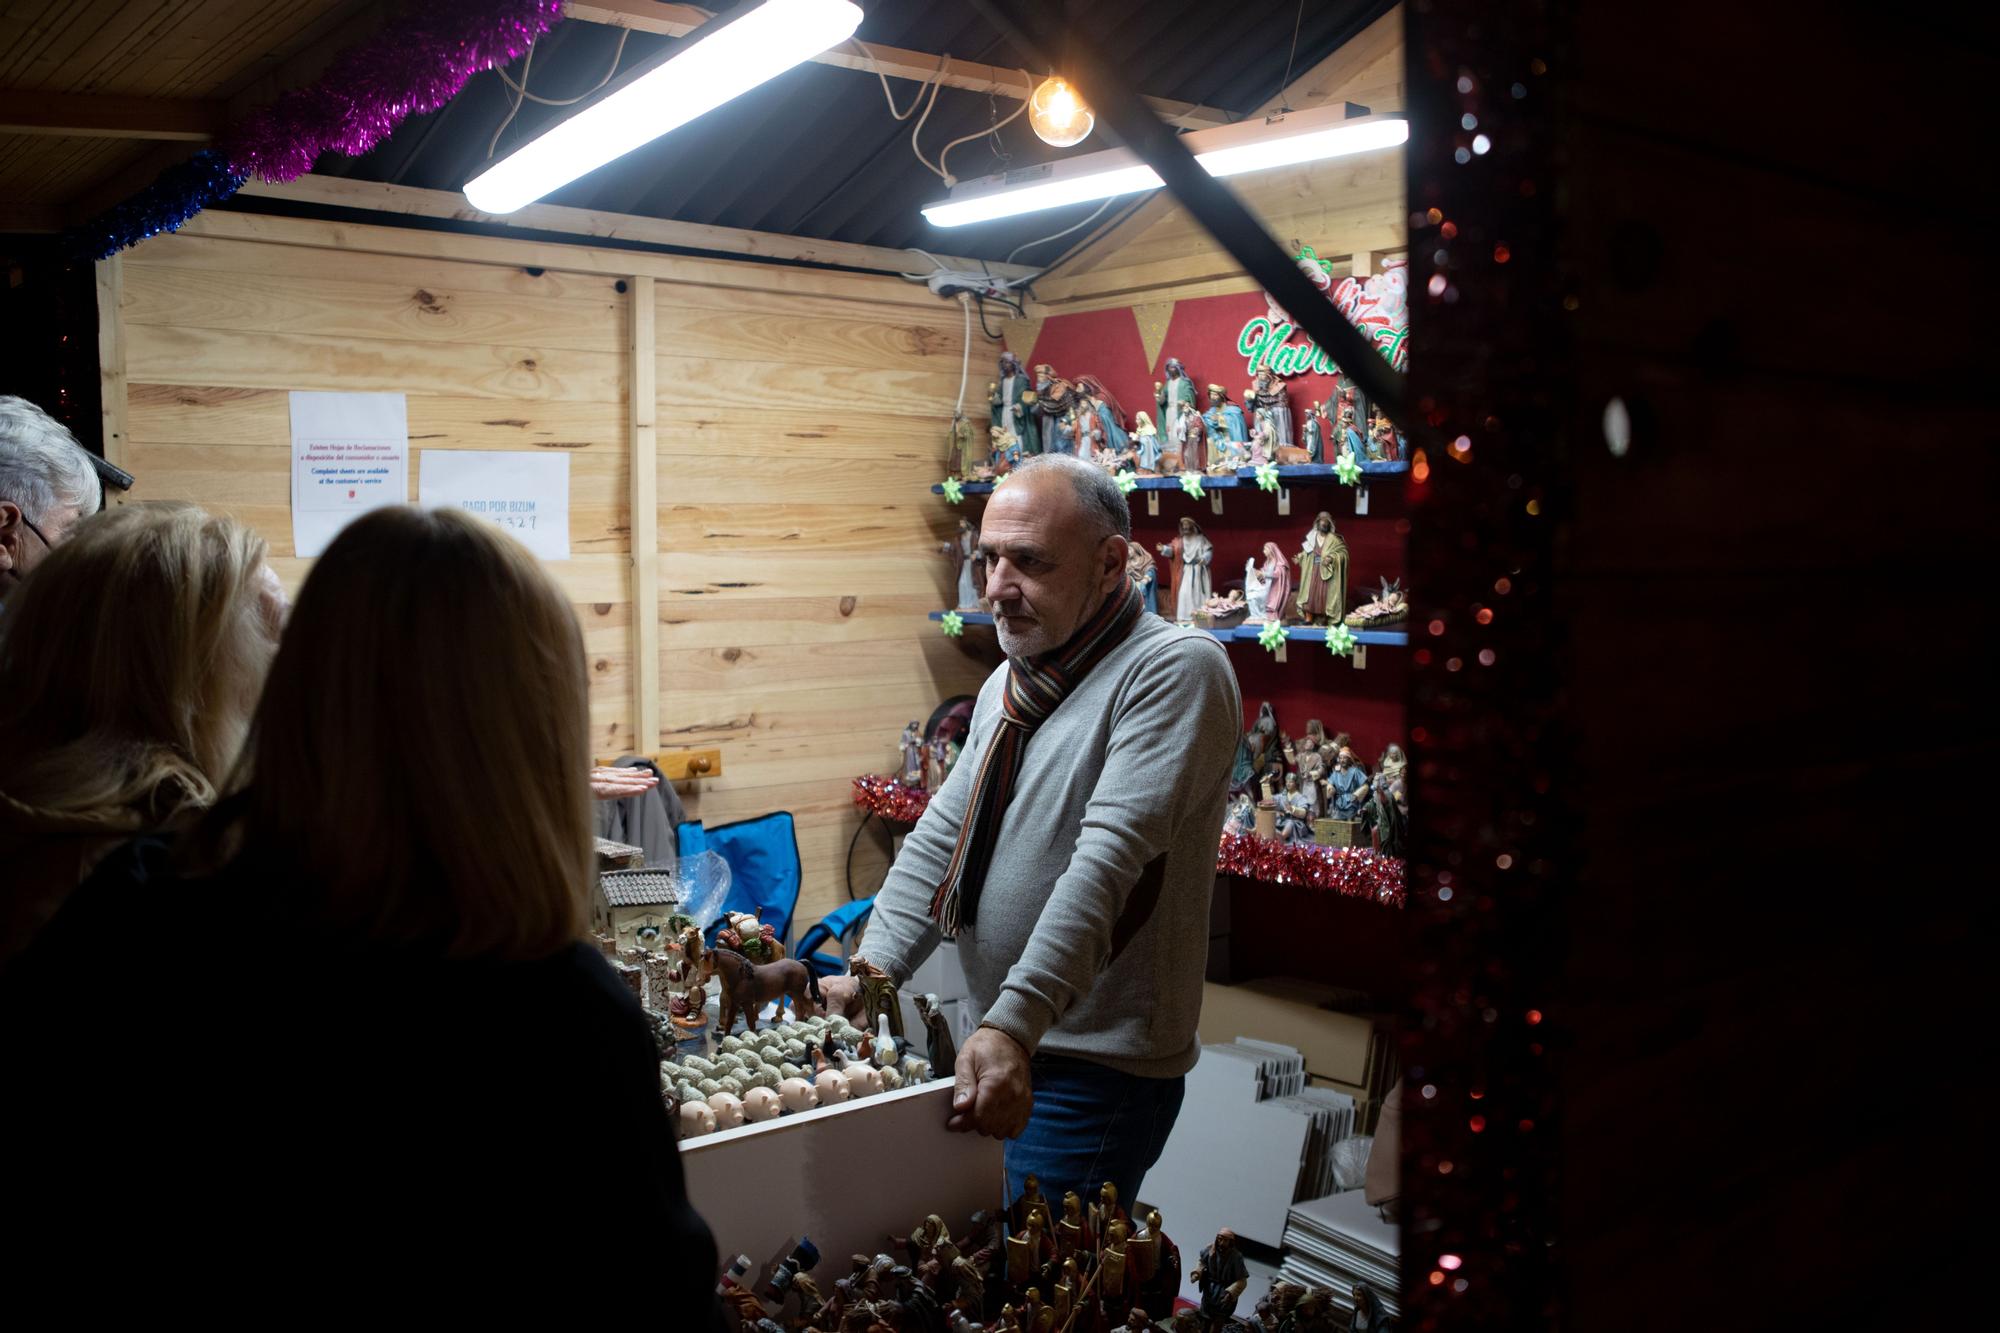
635	908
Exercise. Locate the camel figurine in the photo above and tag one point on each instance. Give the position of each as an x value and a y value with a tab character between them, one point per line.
746	986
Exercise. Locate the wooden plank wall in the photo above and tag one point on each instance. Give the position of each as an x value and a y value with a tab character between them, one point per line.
799	435
800	420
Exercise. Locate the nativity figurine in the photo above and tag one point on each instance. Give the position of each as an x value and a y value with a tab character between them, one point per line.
1259	743
1254	588
1314	432
1188	451
938	1044
1173	397
1220	1277
1384	444
1349	439
1322	561
1295	814
963	551
1388	606
878	995
1270	403
1146	446
1387	814
1192	555
1139	567
1107	418
1347	786
1009	413
1275	576
1054	401
1223	418
1004	452
966	447
911	774
1224	611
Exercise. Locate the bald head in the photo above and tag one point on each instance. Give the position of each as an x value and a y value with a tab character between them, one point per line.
1054	540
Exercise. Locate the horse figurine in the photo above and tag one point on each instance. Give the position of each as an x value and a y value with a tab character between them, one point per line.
746	986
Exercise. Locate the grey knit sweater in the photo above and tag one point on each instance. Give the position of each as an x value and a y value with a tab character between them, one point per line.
1091	934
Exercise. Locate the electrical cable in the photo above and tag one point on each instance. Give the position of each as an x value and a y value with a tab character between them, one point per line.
1029	245
993	128
889	97
522	86
916	133
522	95
1285	88
527	63
965	364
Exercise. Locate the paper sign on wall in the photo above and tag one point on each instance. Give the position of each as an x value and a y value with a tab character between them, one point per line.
527	494
350	454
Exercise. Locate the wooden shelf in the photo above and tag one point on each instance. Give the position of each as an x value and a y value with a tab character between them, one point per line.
1301	474
1397	637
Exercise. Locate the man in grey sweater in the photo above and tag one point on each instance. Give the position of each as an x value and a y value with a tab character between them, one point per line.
1072	850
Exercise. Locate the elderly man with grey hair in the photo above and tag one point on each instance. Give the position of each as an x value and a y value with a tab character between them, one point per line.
1071	853
47	483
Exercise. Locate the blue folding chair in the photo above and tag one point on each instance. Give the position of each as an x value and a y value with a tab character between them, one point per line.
764	873
843	921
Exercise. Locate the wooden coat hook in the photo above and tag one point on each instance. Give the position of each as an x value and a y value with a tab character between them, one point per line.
687	765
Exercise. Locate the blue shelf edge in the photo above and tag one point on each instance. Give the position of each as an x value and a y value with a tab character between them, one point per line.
1383	638
1304	473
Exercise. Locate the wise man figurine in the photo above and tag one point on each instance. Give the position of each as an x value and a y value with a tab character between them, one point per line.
1322	562
1009	412
1224	418
1315	432
1174	397
1349	438
1052	404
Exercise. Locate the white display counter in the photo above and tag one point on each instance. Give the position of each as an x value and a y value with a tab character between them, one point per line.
847	1176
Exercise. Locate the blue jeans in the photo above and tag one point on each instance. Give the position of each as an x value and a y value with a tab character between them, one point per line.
1091	1124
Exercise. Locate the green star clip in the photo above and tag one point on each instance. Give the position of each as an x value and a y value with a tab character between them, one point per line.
1267	476
954	624
1127	483
1346	469
1271	636
1340	640
1191	483
954	490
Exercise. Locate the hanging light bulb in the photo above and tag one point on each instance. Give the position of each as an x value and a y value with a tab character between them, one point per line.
1057	115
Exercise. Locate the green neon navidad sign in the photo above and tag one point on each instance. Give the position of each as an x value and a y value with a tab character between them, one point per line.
1266	344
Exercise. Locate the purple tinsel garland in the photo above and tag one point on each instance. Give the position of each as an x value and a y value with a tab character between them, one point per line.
415	64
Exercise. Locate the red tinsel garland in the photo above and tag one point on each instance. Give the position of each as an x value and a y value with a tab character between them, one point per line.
1352	872
890	799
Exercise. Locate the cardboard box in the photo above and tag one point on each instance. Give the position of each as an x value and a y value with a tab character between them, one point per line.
1348	1050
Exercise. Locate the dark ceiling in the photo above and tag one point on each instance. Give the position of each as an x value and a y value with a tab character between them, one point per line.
815	151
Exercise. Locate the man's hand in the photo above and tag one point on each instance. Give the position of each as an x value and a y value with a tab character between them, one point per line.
993	1094
841	995
614	784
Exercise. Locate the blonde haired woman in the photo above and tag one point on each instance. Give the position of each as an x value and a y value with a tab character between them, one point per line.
129	666
379	1043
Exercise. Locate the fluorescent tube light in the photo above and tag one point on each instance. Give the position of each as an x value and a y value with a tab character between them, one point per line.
1227	150
718	66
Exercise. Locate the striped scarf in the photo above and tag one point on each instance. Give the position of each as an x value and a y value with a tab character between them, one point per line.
1035	688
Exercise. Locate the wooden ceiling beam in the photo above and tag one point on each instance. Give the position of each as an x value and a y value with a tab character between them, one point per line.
1366	70
108	116
590	223
891	61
